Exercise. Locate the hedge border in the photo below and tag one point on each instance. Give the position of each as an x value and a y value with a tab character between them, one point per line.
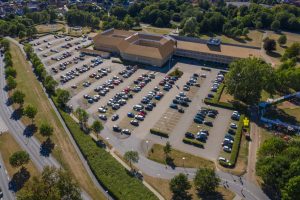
237	141
159	133
193	142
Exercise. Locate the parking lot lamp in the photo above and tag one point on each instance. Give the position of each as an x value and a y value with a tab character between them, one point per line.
147	142
183	158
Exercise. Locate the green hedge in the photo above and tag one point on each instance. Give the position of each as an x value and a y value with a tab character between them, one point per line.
192	142
237	141
159	133
109	172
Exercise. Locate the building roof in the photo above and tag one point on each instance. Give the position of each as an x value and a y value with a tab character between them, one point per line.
226	50
137	43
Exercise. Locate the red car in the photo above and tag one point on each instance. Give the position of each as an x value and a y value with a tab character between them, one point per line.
162	83
143	113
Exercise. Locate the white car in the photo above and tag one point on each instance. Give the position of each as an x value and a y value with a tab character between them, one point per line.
223	159
233	125
227	149
102	110
139	117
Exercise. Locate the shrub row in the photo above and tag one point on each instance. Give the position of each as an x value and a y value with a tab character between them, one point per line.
237	141
195	143
48	82
159	133
109	172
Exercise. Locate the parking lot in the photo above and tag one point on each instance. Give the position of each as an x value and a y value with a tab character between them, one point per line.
132	100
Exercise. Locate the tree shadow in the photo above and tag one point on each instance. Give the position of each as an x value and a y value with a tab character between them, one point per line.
170	162
30	130
46	147
211	196
17	114
273	54
19	179
282	116
271	192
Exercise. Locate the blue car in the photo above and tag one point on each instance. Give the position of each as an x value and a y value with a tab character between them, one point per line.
157	97
197	120
174	106
130	114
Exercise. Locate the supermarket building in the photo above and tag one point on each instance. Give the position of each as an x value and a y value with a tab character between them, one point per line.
156	50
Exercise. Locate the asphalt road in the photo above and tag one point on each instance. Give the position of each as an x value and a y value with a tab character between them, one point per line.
4	181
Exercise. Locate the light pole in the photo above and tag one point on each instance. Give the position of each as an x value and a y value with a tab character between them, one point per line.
106	191
183	158
147	142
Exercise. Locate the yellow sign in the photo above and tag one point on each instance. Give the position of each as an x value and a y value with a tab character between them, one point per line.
246	122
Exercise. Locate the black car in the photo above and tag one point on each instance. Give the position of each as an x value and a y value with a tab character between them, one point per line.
116	128
189	135
208	123
231	132
115	117
181	110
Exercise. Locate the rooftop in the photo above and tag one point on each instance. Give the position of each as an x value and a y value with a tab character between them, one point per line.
226	50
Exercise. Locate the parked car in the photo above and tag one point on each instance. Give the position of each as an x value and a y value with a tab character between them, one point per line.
174	106
189	135
130	114
115	117
103	117
226	149
116	128
126	131
233	125
134	122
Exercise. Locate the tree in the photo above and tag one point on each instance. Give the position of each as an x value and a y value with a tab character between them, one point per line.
54	184
11	83
206	180
18	97
9	71
19	159
50	84
30	111
247	78
83	117
62	97
190	26
46	129
131	157
282	40
272	147
292	51
269	44
179	185
167	149
97	126
275	25
292	189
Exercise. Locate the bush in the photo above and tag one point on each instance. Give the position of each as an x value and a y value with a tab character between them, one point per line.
195	143
237	141
137	28
159	133
111	174
176	72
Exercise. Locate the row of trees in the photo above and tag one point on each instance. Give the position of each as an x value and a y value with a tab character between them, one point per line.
248	77
278	166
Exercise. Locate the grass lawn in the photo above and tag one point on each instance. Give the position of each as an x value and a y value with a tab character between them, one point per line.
162	186
44	28
156	30
254	38
291	38
75	33
156	153
225	97
8	146
64	151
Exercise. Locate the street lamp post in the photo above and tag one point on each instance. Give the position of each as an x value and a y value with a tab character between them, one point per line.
183	158
147	142
106	191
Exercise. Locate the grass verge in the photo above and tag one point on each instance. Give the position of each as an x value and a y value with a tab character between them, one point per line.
156	153
162	186
8	146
